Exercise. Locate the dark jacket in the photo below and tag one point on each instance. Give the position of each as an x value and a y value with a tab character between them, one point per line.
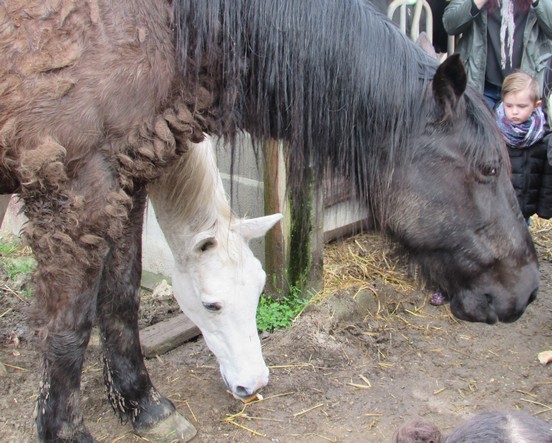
532	178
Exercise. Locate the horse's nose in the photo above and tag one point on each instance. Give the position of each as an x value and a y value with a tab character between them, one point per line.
515	314
243	392
533	296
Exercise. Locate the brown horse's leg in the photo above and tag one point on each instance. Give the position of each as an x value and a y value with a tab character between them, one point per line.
130	390
71	226
66	294
58	414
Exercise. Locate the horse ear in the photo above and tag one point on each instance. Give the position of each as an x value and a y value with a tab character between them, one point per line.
256	227
449	83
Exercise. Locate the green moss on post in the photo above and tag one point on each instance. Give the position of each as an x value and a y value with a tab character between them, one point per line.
300	244
294	250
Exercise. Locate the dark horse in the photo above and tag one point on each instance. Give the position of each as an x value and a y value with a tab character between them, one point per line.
98	98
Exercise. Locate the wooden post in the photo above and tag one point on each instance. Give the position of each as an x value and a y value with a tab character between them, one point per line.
315	275
294	249
276	256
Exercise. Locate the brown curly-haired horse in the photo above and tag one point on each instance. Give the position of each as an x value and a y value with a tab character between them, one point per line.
98	98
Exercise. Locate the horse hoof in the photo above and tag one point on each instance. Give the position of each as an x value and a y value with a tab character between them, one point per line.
172	429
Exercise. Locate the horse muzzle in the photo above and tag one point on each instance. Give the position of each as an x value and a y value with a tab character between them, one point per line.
245	386
492	303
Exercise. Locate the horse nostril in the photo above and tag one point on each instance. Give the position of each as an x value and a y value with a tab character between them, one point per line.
242	392
533	296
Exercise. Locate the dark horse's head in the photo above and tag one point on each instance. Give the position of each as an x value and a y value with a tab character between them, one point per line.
354	96
456	211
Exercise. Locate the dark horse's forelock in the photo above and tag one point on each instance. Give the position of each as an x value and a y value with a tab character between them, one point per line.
483	142
276	55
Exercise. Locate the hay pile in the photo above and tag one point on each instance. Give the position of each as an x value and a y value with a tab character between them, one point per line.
359	260
541	230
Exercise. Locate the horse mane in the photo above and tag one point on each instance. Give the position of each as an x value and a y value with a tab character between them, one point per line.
317	74
192	190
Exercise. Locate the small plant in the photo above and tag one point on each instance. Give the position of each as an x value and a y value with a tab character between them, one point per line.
16	263
8	247
278	313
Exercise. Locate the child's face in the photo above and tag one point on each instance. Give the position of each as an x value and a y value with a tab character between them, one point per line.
518	106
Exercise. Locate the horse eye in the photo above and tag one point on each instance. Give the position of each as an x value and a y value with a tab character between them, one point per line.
489	170
207	244
214	307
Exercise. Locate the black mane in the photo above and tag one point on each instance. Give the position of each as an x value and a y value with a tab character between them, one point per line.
335	78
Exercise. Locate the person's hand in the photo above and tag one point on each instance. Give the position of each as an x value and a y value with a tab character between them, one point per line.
480	3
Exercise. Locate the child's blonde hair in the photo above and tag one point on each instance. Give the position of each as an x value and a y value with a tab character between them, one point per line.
520	81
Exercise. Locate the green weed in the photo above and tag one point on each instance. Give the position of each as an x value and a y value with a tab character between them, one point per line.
278	313
15	262
8	247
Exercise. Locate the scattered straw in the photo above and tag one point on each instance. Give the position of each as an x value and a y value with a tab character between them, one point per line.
366	385
537	403
530	394
9	290
304	411
385	365
245	428
119	438
191	410
232	418
15	367
292	366
6	312
325	438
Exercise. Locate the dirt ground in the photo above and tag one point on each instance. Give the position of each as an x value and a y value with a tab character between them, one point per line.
353	368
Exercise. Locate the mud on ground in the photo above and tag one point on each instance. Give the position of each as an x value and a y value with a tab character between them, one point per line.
353	368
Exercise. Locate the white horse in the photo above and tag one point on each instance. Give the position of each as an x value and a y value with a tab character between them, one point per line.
217	280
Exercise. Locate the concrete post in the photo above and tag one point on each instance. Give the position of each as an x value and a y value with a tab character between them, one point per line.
4	202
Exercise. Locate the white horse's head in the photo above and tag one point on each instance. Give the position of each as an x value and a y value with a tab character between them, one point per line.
217	280
218	287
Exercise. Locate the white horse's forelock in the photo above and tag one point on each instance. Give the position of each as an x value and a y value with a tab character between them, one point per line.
192	190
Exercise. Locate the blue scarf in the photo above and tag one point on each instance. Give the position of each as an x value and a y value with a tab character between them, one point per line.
525	134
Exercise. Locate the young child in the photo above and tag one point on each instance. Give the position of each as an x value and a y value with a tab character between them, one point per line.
485	427
522	122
